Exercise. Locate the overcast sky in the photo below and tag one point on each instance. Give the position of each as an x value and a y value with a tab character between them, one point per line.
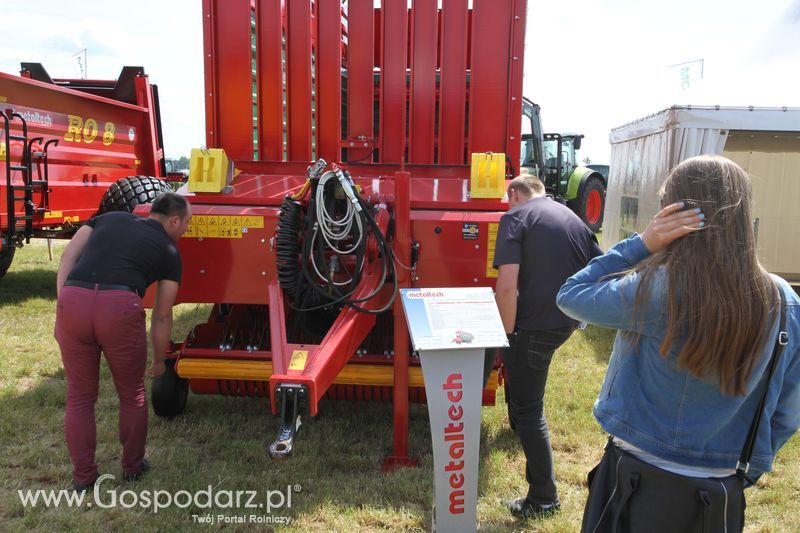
591	65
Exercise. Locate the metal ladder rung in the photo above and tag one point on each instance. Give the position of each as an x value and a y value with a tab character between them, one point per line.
17	137
38	183
20	168
22	188
19	198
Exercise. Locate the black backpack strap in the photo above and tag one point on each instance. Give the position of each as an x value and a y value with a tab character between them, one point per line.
743	465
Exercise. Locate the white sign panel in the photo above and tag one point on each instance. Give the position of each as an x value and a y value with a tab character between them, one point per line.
453	317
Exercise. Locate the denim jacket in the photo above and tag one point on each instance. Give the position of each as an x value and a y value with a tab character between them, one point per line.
651	403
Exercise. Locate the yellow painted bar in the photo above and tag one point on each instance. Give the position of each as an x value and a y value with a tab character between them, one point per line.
352	374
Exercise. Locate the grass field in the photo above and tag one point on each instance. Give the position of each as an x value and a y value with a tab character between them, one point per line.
222	442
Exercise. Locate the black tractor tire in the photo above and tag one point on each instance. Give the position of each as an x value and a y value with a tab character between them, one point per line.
590	203
126	193
6	257
169	392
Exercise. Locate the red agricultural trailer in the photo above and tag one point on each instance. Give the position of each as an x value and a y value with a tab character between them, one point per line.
69	147
354	180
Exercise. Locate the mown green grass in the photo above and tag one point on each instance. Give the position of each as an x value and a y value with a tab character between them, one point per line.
222	442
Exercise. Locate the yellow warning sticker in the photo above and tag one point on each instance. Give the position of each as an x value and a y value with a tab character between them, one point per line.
491	272
253	222
222	226
3	151
298	361
53	214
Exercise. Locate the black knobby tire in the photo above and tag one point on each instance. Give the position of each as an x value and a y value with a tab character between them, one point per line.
169	392
590	203
126	193
6	257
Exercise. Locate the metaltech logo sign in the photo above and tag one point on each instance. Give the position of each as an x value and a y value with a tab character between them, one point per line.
454	434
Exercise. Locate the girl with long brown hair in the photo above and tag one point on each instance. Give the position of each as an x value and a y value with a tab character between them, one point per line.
697	316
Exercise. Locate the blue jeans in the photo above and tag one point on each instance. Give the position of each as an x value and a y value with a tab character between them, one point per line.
527	363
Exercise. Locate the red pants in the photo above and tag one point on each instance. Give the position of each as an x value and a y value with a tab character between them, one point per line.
89	321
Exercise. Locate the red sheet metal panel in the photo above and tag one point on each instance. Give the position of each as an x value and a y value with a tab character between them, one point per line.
241	236
453	84
100	140
394	30
298	84
329	87
422	116
462	240
210	52
515	82
269	43
229	91
360	84
488	97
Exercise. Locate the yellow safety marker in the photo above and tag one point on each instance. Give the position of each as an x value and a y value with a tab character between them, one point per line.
209	170
491	239
487	178
299	358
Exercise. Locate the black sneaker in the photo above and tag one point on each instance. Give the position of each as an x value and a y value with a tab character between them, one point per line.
522	508
83	488
145	468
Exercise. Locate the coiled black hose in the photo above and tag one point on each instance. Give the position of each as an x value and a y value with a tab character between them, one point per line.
295	246
287	245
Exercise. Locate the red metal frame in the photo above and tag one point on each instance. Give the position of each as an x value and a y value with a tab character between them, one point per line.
514	104
228	76
269	68
422	111
298	80
488	103
100	140
394	33
360	60
404	63
329	74
453	90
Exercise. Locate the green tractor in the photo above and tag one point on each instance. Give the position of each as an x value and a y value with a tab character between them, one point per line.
552	157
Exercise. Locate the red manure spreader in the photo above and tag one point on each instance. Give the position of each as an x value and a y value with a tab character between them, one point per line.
352	151
72	148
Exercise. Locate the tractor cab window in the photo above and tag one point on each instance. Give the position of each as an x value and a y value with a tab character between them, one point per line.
550	158
550	148
567	158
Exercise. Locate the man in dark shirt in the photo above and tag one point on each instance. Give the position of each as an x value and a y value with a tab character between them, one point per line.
540	243
104	271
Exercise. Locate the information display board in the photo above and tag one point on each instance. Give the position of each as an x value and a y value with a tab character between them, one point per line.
440	319
451	327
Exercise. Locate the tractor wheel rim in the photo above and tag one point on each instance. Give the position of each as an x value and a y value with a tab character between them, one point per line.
594	205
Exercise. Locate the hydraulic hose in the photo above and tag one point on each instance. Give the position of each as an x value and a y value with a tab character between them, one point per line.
314	244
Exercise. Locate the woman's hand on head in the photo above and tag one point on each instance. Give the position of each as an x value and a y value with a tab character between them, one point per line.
670	224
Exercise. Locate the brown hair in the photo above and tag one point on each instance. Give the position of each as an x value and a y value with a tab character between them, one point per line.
719	296
527	185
